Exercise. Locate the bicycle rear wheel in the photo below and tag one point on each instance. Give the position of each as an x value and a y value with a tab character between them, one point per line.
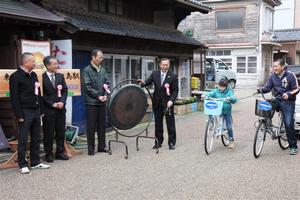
282	138
259	139
209	135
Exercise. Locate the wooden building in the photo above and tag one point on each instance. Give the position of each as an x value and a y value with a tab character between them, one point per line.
133	35
240	33
290	45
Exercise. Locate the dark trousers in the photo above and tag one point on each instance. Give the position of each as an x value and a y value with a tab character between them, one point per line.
170	119
54	125
32	125
96	122
288	110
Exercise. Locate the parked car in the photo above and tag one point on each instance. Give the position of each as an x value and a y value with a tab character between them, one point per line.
296	70
215	69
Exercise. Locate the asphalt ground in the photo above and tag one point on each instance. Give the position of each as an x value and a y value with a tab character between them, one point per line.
185	173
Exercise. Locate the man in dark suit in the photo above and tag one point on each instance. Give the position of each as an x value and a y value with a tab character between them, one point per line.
54	121
164	96
26	102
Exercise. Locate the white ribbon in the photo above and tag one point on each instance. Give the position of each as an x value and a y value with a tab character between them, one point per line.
59	88
105	86
36	90
167	86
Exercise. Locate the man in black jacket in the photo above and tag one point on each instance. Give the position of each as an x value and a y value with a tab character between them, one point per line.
164	96
26	103
94	81
55	92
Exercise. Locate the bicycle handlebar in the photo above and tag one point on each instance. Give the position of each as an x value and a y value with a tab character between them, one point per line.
265	98
217	99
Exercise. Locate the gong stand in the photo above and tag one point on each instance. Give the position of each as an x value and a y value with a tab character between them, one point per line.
122	96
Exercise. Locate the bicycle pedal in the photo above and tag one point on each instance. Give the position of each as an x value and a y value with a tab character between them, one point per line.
274	137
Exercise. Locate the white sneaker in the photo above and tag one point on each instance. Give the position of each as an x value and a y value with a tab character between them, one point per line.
24	170
40	166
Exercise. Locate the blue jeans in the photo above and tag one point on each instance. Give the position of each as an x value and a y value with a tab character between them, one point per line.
288	110
228	122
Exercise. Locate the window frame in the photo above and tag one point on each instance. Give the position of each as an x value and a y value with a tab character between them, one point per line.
246	64
242	29
272	11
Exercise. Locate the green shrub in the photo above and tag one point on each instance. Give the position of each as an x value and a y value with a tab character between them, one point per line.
185	101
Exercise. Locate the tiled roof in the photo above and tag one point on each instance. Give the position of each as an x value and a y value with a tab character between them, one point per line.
101	23
286	35
26	10
197	4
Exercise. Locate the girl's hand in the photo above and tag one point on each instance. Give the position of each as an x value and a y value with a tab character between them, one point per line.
228	99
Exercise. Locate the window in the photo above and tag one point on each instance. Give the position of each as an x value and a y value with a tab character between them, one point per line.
136	68
226	20
120	7
107	6
241	65
227	61
102	5
121	69
112	6
98	5
107	63
209	70
221	65
247	64
252	65
269	19
219	53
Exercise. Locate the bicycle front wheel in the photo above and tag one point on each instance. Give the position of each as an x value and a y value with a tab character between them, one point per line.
259	139
225	138
282	138
209	135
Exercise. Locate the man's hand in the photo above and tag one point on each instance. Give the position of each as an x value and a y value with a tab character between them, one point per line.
258	90
285	96
141	82
21	120
103	98
169	104
55	105
60	105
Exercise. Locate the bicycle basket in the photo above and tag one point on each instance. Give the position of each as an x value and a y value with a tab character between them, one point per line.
263	109
213	107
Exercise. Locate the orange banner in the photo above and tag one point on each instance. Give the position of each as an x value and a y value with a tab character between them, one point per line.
72	77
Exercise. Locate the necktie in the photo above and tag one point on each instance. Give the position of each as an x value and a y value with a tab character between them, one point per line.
53	80
162	79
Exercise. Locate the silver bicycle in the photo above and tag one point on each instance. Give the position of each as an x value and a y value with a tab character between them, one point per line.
215	126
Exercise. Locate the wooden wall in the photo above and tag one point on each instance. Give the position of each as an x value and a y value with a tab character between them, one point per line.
205	25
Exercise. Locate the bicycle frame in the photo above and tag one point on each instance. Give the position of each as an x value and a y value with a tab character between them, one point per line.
218	124
270	126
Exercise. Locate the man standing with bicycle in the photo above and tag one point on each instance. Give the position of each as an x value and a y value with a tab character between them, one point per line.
285	85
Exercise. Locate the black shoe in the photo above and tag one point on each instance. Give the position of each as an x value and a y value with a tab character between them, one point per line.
91	153
49	158
156	146
61	156
103	150
171	146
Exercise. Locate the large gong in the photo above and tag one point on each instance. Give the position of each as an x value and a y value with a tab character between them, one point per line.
127	107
